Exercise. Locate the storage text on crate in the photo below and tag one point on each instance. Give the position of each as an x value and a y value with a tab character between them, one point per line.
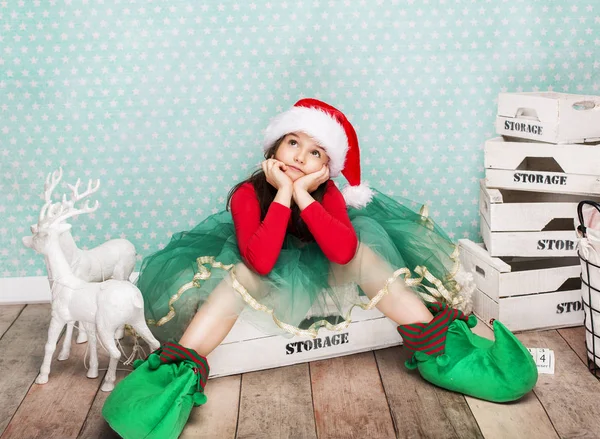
317	343
522	127
555	244
530	177
569	307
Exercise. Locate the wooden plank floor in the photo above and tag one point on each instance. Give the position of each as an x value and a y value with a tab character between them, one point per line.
364	395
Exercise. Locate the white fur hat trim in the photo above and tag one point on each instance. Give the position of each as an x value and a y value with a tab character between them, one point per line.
319	125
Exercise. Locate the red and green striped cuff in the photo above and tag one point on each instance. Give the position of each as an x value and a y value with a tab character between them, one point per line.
430	338
176	353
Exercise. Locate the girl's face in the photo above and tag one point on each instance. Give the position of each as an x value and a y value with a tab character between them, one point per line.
301	154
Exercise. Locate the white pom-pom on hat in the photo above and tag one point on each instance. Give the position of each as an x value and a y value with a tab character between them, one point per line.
357	196
334	133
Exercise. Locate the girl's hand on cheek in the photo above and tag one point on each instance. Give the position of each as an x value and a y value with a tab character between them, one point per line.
275	173
311	182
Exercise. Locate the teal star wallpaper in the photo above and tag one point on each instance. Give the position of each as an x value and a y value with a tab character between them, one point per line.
165	101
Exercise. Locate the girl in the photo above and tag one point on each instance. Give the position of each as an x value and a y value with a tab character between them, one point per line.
294	254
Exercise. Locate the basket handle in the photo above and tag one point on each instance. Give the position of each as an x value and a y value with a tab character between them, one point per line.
581	227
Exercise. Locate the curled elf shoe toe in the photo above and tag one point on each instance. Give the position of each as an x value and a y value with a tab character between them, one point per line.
499	371
156	398
450	356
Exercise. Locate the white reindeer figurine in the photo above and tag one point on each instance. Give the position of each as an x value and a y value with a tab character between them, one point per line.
102	307
113	259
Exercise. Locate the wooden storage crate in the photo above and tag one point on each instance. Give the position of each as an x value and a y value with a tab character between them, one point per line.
247	349
534	166
524	293
549	117
557	243
508	210
520	223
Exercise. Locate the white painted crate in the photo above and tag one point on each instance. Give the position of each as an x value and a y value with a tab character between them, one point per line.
549	117
247	349
524	293
534	166
520	223
552	243
508	210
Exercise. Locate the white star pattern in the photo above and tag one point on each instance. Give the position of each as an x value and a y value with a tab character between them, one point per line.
165	103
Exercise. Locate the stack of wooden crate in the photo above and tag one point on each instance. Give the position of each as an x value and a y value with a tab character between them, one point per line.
546	160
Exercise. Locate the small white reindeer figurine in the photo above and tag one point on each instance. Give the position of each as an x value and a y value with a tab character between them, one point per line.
113	259
102	307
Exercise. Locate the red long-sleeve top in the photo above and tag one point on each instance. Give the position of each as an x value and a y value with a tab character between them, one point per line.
260	242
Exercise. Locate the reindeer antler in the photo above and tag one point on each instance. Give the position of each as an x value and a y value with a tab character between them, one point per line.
52	180
58	212
76	196
68	208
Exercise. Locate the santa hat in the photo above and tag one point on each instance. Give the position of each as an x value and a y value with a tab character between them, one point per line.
331	130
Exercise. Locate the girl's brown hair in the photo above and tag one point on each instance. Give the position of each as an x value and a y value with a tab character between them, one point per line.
265	193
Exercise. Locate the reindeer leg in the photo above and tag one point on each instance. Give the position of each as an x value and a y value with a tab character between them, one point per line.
142	329
81	336
90	328
120	333
111	374
66	346
56	326
106	336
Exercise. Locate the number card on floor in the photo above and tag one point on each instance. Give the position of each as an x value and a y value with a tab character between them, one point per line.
544	359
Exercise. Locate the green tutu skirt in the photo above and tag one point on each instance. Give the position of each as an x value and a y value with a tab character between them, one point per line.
305	291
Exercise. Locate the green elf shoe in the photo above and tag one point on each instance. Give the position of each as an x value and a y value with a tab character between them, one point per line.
155	400
449	355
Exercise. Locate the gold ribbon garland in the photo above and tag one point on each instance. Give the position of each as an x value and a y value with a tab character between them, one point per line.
440	292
